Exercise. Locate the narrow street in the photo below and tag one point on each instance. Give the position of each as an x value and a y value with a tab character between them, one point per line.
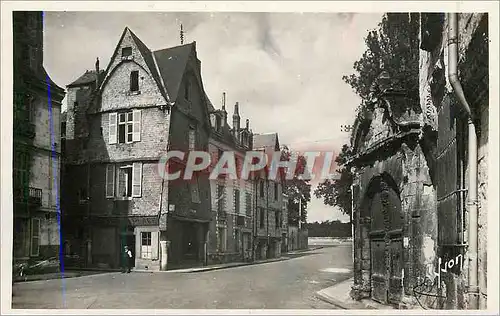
289	284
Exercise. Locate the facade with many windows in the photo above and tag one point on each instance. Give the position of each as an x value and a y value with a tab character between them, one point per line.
230	234
119	125
269	202
36	144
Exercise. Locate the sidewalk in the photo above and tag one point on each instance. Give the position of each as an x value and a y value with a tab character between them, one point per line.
215	267
55	275
338	295
232	264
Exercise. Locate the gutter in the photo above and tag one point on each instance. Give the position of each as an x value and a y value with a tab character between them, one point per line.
472	203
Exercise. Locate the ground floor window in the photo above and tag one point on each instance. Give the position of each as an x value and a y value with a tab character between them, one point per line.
146	245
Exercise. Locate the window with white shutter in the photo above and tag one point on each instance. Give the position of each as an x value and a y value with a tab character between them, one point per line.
112	128
137	179
110	181
136	134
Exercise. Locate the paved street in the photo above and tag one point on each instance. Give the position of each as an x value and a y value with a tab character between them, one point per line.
289	284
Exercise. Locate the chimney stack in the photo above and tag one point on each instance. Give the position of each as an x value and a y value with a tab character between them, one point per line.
248	125
236	120
224	113
97	73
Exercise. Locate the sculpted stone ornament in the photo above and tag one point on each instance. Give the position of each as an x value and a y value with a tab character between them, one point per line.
430	113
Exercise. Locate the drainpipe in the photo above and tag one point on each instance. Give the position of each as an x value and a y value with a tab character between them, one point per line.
473	289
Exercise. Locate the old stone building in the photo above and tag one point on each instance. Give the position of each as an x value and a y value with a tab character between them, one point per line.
269	202
230	236
146	103
36	144
416	227
454	84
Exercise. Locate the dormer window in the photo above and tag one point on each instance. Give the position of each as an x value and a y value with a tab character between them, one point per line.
217	123
126	52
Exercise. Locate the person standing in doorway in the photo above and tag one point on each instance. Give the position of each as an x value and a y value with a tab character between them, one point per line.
128	259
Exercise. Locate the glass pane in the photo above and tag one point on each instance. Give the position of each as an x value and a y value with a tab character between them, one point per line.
122	117
129	117
121	133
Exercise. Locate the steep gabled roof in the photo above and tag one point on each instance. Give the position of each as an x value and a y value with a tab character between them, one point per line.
172	64
149	59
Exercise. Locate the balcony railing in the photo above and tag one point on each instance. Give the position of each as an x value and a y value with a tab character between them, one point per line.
28	195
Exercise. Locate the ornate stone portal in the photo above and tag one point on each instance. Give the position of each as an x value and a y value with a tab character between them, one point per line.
393	198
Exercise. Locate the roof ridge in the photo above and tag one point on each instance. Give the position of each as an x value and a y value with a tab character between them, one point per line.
173	47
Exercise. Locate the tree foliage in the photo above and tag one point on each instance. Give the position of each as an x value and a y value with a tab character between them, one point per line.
390	61
296	188
338	192
329	229
391	48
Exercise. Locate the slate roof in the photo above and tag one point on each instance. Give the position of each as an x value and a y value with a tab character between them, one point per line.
172	63
88	77
266	141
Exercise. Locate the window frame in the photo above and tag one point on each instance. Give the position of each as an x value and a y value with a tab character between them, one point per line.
148	254
128	49
127	180
134	78
127	123
237	197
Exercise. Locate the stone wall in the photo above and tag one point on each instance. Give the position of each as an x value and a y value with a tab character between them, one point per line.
435	90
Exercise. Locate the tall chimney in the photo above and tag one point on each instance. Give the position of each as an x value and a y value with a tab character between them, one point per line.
97	73
247	124
236	120
224	113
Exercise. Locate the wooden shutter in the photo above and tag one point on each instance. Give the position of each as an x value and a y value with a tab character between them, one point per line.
137	179
110	180
154	246
447	174
35	237
112	128
136	130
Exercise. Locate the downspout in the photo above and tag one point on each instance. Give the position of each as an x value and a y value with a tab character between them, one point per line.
473	289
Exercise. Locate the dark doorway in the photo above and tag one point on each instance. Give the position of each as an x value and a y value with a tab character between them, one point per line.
190	244
386	243
127	239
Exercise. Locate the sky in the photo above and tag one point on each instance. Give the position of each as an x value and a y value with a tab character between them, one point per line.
284	69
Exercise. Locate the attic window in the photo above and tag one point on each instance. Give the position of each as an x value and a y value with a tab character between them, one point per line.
217	123
134	81
126	51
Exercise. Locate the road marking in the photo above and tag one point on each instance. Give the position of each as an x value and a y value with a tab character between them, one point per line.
336	270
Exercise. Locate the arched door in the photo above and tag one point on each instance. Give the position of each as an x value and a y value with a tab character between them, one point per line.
386	244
